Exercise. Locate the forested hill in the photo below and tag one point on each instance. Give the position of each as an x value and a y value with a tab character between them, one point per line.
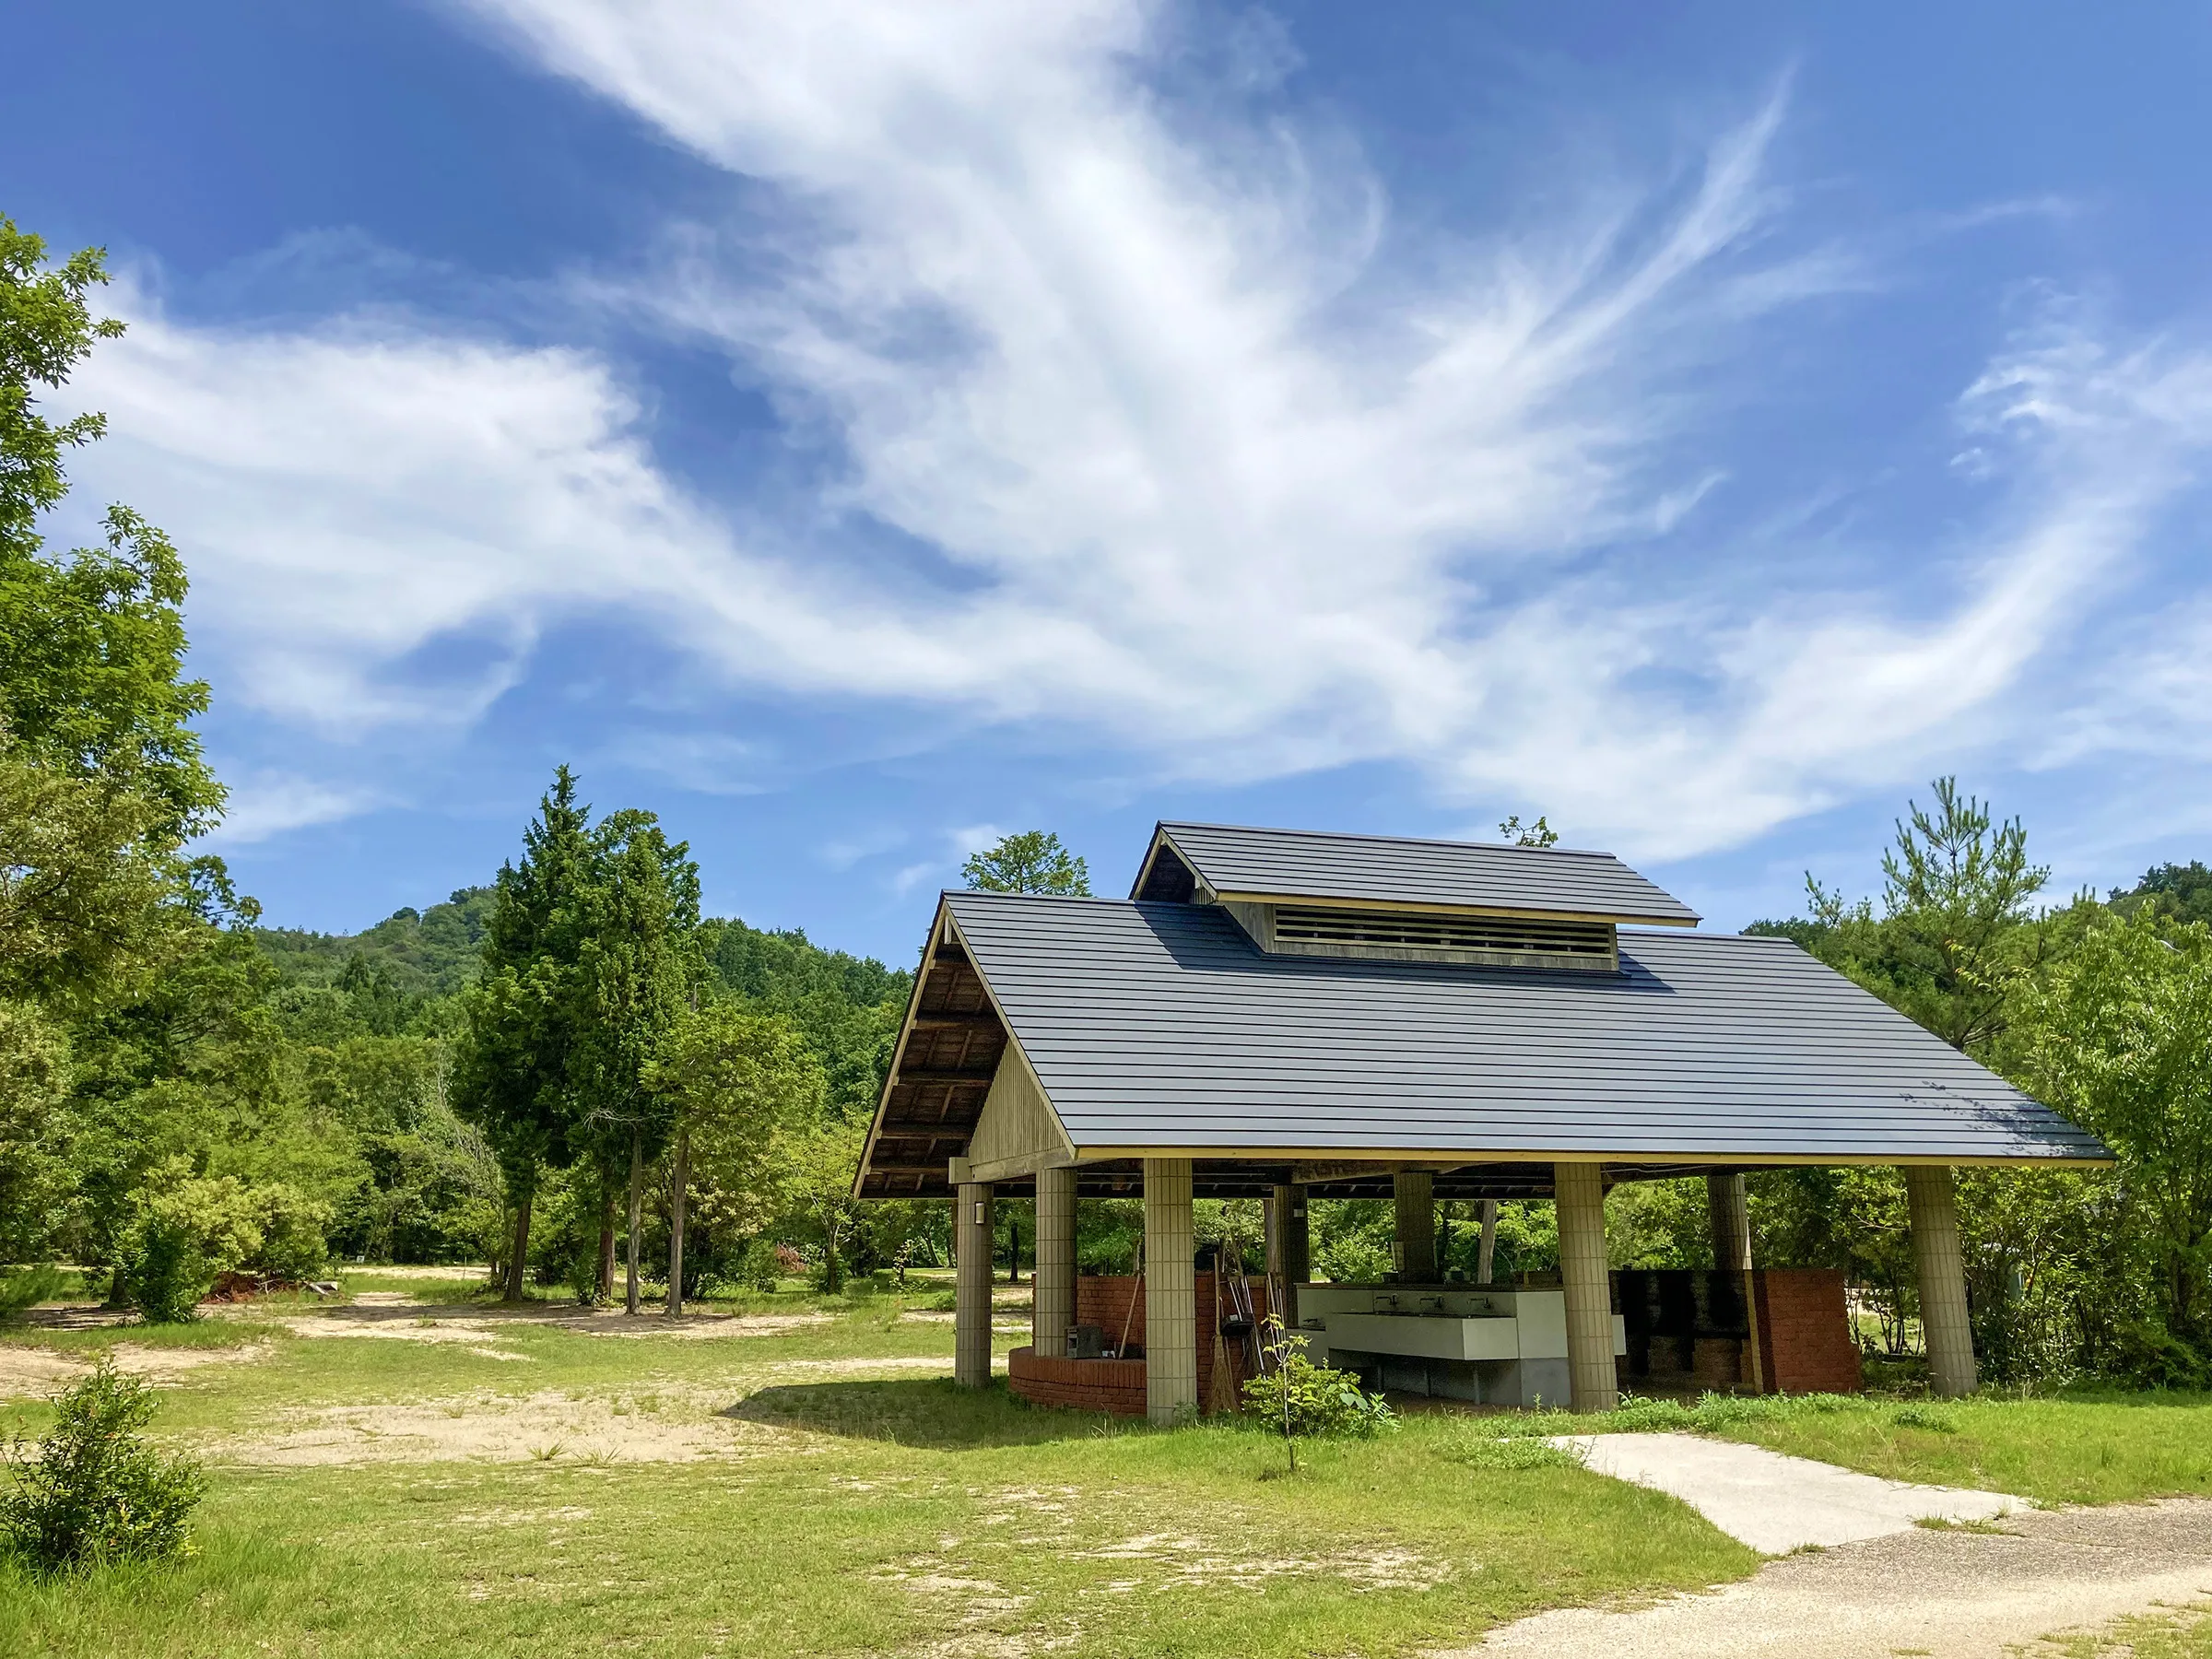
425	953
848	1006
395	978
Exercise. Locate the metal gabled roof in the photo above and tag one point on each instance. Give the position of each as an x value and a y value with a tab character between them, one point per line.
1392	870
1160	1027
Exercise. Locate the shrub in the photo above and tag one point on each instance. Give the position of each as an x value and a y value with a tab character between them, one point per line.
759	1266
294	1243
1310	1401
23	1288
182	1234
95	1491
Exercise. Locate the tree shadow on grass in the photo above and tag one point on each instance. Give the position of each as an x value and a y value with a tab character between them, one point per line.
929	1412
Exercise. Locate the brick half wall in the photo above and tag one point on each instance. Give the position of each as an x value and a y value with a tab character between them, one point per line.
1805	1340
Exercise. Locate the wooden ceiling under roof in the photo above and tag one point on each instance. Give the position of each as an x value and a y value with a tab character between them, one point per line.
948	1053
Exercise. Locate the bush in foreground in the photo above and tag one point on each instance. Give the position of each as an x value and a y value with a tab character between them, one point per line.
94	1491
1303	1400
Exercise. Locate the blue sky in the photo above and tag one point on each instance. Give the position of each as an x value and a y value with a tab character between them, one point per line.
856	430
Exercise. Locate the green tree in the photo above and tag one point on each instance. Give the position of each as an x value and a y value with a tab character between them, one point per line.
1955	935
2121	1041
742	1094
638	963
1031	861
2181	892
511	1070
92	643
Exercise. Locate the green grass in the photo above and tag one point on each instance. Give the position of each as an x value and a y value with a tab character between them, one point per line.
923	1521
2085	1446
845	1513
845	1510
2176	1633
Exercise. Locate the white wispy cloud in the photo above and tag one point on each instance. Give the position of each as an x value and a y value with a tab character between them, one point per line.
1217	477
268	804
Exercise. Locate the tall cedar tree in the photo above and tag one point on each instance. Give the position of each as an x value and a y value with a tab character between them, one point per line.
641	964
512	1073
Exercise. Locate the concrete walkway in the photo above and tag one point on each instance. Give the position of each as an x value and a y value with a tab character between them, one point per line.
1776	1503
1952	1595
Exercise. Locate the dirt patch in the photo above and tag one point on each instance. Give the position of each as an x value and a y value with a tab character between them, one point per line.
844	1368
1190	1560
461	1331
542	1427
25	1371
612	1321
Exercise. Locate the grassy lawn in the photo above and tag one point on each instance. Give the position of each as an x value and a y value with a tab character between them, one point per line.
446	1475
2080	1447
487	1484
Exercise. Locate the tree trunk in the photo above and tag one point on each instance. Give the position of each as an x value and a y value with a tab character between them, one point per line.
1486	1252
676	1224
1013	1249
519	1264
637	1215
603	1286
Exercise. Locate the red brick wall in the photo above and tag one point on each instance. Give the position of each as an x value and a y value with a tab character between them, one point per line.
1805	1342
1114	1385
1105	1301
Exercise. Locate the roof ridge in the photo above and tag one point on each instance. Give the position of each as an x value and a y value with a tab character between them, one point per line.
1369	835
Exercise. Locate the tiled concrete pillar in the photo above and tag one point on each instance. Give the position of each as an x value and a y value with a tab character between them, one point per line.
1054	1279
1290	1247
1579	1193
1416	1193
972	1285
1729	1213
1171	1293
1933	1203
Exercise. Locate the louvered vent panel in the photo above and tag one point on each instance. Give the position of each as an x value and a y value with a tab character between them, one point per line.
1313	930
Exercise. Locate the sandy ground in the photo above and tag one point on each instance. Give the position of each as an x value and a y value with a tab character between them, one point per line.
1949	1594
40	1370
667	1425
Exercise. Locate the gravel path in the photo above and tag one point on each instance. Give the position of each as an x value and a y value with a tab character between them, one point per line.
1948	1594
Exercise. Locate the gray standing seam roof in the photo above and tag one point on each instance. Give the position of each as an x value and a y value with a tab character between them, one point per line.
1162	1025
1309	865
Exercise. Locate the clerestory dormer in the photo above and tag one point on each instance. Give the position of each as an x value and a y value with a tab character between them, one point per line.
1303	893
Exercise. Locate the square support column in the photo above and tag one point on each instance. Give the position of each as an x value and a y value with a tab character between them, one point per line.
1933	1203
1289	1246
1054	1282
1171	1293
1729	1212
1416	1193
1579	1195
971	1285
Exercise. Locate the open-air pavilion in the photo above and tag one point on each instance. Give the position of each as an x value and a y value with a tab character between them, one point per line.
1294	1016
